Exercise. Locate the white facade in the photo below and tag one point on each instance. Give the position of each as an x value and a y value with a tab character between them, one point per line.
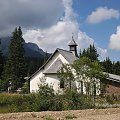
50	79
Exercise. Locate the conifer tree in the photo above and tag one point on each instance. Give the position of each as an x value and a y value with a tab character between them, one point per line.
80	53
84	53
107	64
46	57
116	68
91	53
1	60
15	65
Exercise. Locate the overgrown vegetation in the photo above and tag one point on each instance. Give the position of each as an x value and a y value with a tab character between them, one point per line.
46	100
85	73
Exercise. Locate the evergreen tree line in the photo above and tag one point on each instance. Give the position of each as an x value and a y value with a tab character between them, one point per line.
16	66
108	65
90	52
111	67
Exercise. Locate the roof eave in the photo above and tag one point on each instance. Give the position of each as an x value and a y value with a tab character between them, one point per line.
42	67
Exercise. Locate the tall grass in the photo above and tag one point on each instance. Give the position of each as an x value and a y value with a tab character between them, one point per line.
70	100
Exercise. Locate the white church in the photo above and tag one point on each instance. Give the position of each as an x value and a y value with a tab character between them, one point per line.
48	72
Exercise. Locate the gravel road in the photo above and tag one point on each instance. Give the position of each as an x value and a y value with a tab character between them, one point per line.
91	114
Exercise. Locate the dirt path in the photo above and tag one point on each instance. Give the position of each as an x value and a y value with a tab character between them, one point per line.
99	114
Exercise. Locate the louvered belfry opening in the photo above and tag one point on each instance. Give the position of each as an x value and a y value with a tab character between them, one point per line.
73	47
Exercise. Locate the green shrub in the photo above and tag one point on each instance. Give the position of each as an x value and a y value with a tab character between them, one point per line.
70	117
25	88
45	91
43	98
56	104
74	100
110	99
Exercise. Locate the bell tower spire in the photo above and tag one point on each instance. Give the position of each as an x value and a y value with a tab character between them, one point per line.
73	46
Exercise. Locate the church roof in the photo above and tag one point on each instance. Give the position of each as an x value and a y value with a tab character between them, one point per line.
54	67
72	43
113	77
68	55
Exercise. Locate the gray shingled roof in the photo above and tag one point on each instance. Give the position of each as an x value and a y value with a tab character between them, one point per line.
54	67
69	56
72	42
113	77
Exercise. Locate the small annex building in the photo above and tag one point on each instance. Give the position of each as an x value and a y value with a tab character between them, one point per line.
48	72
112	85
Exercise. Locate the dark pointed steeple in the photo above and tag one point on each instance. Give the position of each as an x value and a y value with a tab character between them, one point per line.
73	47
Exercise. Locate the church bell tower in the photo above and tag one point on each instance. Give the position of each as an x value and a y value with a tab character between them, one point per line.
73	47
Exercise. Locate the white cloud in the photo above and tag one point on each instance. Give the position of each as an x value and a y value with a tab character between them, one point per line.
102	14
115	40
84	40
59	34
69	12
102	52
51	38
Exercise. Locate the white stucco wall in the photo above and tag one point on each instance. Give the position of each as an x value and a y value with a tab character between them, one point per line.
53	80
35	81
50	79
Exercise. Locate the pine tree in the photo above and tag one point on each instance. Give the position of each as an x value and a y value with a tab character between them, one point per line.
116	68
46	57
84	53
15	65
107	64
1	61
91	53
80	53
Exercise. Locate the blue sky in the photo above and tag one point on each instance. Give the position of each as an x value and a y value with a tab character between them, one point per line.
50	23
102	31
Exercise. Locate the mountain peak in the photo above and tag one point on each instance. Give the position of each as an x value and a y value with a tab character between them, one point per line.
31	49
